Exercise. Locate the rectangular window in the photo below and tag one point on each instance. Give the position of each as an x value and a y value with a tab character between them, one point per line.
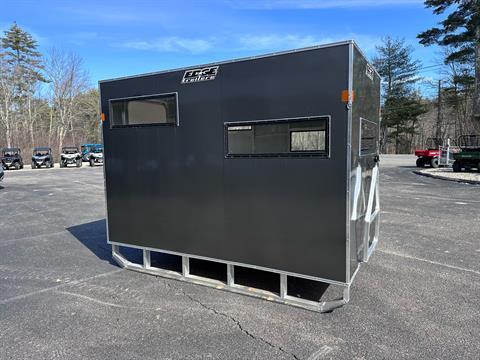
368	137
143	111
289	137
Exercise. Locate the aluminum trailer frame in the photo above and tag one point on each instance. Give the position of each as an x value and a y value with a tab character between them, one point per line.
335	80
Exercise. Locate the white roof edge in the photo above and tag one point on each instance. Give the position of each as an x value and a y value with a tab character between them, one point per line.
315	47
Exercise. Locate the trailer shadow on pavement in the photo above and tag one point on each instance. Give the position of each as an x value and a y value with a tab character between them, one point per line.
93	235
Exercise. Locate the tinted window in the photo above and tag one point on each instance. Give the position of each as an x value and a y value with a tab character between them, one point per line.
291	137
145	111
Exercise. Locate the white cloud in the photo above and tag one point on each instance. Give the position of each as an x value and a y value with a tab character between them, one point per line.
318	4
251	43
170	44
273	42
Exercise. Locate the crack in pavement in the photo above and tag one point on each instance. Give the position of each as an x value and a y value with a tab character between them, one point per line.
231	318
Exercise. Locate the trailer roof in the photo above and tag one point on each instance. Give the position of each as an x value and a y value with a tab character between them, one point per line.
309	48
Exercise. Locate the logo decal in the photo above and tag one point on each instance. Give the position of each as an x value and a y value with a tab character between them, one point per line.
369	72
203	74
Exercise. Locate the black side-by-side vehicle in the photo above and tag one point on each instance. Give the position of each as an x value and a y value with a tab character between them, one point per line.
70	156
11	158
42	156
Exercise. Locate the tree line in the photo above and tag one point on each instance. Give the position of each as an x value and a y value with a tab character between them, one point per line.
45	99
408	119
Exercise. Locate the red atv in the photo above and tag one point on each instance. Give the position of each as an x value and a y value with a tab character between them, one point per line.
430	154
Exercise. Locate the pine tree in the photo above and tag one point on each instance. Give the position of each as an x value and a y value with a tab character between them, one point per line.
402	106
22	71
20	53
459	30
395	64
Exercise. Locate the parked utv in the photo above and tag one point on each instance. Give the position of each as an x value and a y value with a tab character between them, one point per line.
469	156
87	149
70	156
42	156
429	156
96	156
11	158
2	173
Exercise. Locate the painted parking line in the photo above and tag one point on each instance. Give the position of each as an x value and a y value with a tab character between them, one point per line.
324	350
406	256
74	282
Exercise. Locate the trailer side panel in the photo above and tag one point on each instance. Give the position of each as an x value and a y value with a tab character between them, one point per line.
178	188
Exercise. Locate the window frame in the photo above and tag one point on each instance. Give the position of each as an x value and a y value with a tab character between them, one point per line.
373	152
143	97
290	154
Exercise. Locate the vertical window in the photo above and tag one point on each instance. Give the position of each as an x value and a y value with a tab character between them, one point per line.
161	109
289	137
368	137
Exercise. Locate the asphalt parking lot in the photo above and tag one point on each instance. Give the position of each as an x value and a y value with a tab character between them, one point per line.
62	297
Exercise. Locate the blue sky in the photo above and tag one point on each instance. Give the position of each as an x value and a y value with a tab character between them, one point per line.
118	38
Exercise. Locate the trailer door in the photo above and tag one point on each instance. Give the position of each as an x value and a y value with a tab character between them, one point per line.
368	163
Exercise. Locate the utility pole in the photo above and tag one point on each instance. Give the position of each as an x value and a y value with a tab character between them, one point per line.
438	133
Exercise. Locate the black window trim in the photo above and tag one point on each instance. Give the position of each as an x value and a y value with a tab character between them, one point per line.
141	97
291	154
372	152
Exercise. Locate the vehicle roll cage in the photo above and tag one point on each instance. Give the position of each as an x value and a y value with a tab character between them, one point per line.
39	149
65	149
469	142
11	150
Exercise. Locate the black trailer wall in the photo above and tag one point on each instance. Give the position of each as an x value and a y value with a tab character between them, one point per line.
173	187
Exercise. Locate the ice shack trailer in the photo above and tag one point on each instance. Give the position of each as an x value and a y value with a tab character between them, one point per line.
267	163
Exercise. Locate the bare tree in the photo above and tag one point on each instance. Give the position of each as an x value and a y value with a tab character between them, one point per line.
7	93
68	80
88	124
32	112
43	103
458	93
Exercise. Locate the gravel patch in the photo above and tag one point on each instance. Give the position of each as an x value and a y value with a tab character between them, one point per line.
448	174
